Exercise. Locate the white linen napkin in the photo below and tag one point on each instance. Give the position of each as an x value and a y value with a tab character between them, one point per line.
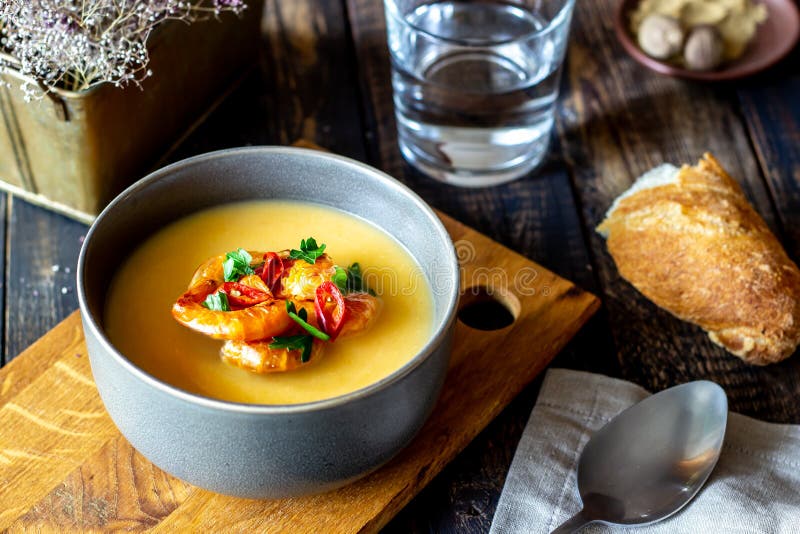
755	487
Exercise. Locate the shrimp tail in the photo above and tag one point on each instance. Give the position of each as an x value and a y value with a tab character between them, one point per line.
258	357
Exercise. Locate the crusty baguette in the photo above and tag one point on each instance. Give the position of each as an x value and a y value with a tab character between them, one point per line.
694	245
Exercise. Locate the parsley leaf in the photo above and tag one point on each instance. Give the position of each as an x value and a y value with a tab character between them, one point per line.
301	318
340	278
217	302
355	279
298	342
350	280
236	265
309	251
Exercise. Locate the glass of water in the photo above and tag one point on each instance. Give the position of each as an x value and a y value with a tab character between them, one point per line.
475	84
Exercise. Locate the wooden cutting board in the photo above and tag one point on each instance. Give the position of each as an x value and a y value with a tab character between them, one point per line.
64	466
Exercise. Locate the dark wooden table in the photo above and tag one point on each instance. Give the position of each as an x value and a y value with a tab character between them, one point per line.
324	77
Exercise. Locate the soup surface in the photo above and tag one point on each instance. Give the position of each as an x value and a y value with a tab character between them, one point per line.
140	325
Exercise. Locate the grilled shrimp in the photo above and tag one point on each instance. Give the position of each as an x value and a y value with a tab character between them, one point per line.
258	357
257	308
301	279
264	319
268	318
362	310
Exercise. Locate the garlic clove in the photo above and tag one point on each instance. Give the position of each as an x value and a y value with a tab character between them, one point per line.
704	49
660	36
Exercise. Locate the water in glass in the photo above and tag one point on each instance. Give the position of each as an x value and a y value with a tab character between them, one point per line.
475	85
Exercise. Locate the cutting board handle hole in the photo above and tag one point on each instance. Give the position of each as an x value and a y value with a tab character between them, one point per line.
487	308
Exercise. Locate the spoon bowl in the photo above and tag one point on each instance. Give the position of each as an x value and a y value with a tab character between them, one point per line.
653	458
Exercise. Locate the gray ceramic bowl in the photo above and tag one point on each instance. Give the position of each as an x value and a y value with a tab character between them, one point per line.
266	450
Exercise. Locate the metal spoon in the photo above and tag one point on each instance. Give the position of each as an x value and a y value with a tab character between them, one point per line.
652	459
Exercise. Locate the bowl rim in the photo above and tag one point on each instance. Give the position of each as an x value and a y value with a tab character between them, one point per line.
436	338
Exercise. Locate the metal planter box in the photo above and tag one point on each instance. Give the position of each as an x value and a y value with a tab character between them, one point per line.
73	152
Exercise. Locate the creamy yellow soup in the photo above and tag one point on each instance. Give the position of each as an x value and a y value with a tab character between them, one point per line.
138	311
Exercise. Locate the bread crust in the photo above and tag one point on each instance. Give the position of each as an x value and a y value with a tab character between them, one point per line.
698	249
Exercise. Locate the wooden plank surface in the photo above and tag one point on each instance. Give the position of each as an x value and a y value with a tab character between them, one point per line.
305	87
5	200
65	468
311	83
617	121
41	257
771	108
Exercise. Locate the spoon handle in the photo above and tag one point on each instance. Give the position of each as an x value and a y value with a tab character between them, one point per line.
573	524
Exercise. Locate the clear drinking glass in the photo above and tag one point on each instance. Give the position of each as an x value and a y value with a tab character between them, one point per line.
475	84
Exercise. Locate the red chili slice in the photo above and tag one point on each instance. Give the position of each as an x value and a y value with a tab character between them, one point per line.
243	296
272	270
330	309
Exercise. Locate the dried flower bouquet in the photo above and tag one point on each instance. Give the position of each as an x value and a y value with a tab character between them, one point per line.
76	44
77	148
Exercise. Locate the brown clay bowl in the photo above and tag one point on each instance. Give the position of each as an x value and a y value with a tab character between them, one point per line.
775	38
